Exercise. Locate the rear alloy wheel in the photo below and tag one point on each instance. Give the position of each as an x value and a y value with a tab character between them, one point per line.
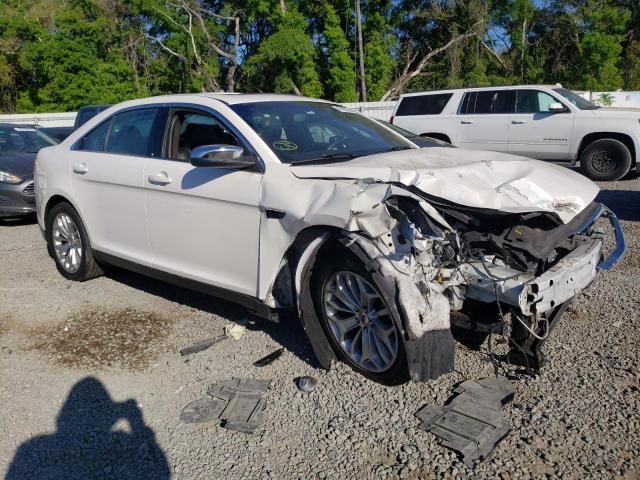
358	322
69	245
605	159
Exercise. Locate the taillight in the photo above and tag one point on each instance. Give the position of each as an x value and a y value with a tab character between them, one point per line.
391	120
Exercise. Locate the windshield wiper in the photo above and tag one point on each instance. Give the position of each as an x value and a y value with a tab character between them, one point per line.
394	149
330	157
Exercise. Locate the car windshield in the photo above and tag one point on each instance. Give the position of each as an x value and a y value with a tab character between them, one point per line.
305	131
23	140
577	100
401	131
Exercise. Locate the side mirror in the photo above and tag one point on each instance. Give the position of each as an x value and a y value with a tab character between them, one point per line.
220	156
556	107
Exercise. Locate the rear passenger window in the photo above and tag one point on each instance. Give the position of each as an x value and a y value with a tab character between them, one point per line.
94	141
423	104
486	102
131	131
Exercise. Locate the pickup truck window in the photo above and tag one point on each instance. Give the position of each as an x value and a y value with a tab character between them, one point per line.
487	101
533	101
423	104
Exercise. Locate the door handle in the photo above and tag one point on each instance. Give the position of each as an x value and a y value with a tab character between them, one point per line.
159	178
518	122
80	169
466	122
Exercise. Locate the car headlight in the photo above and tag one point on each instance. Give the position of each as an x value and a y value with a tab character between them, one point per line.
9	178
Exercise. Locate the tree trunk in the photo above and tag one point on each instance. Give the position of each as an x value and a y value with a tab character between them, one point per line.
363	80
409	73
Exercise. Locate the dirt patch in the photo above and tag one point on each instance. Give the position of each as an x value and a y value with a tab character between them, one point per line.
96	338
5	324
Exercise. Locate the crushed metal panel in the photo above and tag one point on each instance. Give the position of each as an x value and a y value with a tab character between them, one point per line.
482	179
473	422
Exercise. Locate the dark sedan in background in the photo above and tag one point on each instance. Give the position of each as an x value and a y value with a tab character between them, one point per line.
19	145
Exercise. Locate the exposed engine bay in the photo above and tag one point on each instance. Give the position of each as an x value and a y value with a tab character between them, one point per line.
530	266
507	273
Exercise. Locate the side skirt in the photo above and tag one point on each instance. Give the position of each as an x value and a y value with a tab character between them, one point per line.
253	304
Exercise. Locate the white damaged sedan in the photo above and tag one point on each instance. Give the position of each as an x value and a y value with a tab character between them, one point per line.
285	203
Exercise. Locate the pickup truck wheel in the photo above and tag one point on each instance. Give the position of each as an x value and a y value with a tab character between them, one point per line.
69	245
357	322
605	159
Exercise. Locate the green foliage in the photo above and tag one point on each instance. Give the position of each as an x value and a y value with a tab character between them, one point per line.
341	75
58	55
378	62
601	45
285	62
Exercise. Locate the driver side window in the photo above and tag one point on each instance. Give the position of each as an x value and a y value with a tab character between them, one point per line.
189	129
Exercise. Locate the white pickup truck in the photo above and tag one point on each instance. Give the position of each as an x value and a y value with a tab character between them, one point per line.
538	121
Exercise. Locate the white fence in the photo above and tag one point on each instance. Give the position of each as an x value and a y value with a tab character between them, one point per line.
379	110
613	99
65	119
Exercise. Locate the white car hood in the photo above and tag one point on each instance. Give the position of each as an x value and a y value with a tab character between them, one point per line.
478	179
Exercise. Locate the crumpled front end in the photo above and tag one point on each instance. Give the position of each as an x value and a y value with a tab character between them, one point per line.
432	259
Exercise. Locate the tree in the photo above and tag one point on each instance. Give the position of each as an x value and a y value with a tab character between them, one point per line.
600	47
285	62
341	77
378	62
75	61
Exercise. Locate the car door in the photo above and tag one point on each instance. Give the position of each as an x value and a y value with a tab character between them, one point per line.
536	132
203	223
107	182
483	120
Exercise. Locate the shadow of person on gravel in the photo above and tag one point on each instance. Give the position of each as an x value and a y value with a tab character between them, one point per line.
624	203
288	333
86	445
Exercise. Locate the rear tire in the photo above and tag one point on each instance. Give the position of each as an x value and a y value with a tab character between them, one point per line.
605	159
69	245
389	362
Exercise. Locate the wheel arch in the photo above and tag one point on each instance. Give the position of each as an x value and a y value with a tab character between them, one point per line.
56	199
624	138
438	136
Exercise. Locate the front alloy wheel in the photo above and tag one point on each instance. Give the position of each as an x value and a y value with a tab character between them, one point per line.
360	322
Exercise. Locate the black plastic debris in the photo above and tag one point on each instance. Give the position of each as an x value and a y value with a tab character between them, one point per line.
473	422
306	383
201	411
264	361
202	345
238	404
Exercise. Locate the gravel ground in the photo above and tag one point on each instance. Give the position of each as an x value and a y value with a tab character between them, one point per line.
92	386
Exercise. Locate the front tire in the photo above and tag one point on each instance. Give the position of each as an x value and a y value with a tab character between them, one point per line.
69	244
605	159
357	321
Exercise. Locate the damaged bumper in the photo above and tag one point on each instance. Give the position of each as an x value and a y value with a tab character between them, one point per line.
535	295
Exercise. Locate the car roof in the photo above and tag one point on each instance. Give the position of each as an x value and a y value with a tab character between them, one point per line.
227	98
234	98
478	89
